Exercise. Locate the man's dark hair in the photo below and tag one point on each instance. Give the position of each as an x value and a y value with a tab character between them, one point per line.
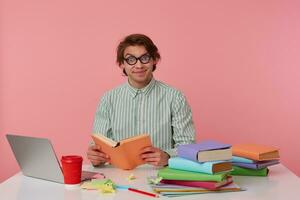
137	40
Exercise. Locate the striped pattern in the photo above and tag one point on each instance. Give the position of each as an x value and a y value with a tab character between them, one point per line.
157	109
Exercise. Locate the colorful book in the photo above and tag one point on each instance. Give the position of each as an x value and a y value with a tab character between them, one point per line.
240	171
255	151
241	159
203	184
186	190
124	154
257	165
205	167
205	151
175	174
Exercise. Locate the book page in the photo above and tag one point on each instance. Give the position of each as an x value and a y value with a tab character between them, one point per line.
106	140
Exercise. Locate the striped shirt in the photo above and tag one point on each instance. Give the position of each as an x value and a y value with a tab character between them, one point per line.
157	109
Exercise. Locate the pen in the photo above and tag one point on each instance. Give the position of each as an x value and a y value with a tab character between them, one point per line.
123	187
143	192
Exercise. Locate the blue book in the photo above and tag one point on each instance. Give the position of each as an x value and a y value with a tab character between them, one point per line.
205	151
205	167
256	165
241	160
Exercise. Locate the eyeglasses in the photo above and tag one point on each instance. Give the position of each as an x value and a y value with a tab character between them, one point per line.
144	59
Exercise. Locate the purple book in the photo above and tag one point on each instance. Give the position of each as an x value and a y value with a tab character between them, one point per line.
205	151
256	165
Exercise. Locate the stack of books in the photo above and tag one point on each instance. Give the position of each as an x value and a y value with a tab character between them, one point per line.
253	159
199	168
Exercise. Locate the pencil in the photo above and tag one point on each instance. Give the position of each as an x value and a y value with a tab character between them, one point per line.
143	192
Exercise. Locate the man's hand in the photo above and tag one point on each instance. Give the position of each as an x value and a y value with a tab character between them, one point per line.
96	156
154	156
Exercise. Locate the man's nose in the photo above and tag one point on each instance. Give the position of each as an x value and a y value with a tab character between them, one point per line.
138	64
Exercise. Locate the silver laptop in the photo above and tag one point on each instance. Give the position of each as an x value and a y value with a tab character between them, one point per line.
36	158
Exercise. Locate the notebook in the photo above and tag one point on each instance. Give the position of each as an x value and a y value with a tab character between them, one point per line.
37	159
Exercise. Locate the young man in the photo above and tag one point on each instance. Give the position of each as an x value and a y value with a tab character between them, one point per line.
143	105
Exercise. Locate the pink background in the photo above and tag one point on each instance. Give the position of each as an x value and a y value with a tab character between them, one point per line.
236	61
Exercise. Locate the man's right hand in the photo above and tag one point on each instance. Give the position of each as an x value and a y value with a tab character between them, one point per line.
96	156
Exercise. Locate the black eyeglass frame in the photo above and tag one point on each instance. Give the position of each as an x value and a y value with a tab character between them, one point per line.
139	58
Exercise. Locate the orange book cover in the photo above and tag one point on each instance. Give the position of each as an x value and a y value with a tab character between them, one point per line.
255	151
125	153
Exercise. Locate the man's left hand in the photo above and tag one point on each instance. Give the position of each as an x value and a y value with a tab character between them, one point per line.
154	156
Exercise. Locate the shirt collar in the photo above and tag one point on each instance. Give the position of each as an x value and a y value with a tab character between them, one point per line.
146	90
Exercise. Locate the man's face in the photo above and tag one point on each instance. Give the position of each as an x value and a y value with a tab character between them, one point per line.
139	71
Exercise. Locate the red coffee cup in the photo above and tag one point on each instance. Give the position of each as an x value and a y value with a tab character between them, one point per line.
71	167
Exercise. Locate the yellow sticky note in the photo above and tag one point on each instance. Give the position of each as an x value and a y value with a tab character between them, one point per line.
107	189
103	185
131	177
154	180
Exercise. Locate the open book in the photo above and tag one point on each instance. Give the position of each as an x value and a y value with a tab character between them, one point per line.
125	153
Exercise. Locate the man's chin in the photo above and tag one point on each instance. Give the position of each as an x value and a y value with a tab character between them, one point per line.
141	77
141	80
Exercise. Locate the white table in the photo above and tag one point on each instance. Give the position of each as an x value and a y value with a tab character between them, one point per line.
280	184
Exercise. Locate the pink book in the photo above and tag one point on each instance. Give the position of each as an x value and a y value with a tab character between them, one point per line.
211	185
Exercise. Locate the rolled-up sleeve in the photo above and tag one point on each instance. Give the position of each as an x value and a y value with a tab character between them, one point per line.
102	121
182	123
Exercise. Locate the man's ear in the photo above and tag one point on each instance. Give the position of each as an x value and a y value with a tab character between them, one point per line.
122	66
154	62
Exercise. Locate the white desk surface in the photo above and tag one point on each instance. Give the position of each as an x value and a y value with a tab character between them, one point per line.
280	184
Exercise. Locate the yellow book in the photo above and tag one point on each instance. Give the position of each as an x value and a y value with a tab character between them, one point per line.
124	154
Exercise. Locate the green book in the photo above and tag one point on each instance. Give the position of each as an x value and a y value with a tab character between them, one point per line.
175	174
240	171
